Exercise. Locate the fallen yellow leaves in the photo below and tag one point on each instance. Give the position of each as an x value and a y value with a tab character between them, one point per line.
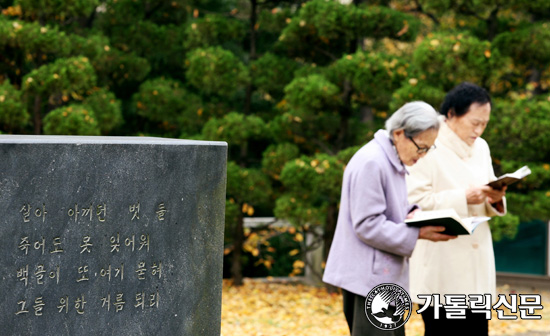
265	308
269	307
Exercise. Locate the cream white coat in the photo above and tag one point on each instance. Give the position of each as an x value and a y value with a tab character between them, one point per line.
465	265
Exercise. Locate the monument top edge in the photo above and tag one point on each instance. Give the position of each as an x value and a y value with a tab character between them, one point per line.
101	140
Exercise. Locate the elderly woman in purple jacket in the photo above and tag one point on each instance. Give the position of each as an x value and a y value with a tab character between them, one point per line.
372	244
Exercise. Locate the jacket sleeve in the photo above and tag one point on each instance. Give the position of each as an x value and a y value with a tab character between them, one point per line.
368	205
421	189
493	209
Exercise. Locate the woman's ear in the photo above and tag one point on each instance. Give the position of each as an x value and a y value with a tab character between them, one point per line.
398	133
451	113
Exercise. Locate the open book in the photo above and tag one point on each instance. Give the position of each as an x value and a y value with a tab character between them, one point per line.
454	225
508	179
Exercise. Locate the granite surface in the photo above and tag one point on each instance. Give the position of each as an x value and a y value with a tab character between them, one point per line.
111	235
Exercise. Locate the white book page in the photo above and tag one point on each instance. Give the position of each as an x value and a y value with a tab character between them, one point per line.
520	173
473	222
429	214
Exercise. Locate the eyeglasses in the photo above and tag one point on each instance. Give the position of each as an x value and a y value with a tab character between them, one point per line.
421	150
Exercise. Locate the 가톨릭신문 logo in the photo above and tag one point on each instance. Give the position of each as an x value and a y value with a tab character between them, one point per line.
388	306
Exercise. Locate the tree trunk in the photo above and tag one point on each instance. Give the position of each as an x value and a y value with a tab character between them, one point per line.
236	263
90	20
243	155
365	110
534	72
37	114
492	24
366	114
534	79
328	236
238	233
330	228
345	115
253	21
252	55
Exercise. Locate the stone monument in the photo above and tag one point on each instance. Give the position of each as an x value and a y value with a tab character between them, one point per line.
111	235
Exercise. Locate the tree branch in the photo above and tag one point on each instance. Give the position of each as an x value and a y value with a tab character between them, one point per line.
151	11
492	23
323	146
326	53
420	9
90	20
319	143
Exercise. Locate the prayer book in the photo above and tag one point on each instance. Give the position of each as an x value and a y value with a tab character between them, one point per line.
454	225
510	178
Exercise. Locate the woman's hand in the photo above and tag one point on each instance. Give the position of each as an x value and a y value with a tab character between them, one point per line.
433	233
478	195
495	195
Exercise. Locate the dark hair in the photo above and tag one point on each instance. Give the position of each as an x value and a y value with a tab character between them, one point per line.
462	96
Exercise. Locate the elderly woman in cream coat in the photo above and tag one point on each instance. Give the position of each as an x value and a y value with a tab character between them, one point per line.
455	176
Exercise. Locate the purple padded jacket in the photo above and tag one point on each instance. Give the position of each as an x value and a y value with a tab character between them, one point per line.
372	244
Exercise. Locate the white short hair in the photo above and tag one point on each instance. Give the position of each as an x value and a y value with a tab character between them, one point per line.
414	118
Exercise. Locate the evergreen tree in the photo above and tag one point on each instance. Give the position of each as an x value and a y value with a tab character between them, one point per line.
294	87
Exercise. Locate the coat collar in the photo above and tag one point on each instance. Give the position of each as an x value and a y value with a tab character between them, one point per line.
382	137
448	138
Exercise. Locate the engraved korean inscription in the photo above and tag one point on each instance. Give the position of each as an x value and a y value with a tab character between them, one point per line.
144	270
